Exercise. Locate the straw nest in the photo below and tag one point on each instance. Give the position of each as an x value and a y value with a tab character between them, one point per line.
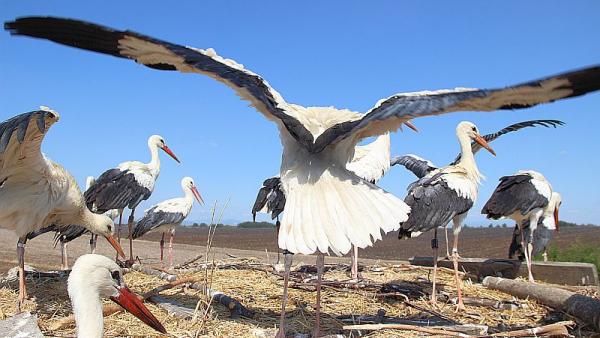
261	289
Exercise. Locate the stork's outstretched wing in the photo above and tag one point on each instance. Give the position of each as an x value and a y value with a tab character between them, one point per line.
390	113
419	166
371	161
475	147
164	55
20	141
270	198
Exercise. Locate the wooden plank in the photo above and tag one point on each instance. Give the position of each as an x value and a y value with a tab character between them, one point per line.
562	273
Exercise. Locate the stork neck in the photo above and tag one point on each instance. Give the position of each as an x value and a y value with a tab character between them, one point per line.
154	163
467	160
87	308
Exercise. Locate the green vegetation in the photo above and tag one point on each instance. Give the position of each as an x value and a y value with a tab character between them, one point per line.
577	252
255	225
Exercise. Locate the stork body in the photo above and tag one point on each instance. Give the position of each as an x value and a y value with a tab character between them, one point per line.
95	277
444	195
524	196
127	185
420	167
327	206
36	192
167	215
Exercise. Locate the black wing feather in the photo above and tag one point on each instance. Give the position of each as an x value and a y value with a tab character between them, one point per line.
115	189
153	219
514	193
417	166
541	239
270	194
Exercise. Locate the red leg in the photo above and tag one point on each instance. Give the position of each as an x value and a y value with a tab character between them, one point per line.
434	246
130	227
287	262
21	258
162	246
354	268
171	248
320	268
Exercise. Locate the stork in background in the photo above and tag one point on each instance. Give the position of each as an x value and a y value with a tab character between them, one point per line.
421	167
444	195
542	236
127	185
317	142
95	277
167	215
523	196
112	214
36	192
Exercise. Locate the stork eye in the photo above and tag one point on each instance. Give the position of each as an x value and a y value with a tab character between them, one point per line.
116	276
110	228
474	129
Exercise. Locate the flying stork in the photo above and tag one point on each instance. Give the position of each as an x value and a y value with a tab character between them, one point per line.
127	185
522	197
327	206
445	195
542	235
166	215
36	192
421	167
95	277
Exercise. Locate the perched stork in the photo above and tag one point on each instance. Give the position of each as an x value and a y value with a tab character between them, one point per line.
112	214
444	195
127	185
327	206
542	236
95	277
521	197
166	215
421	167
36	192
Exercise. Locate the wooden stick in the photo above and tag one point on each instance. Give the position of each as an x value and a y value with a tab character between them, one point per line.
556	329
235	307
108	310
429	330
152	272
585	308
188	262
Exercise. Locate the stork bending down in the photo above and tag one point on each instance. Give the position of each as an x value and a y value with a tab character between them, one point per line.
421	167
327	206
522	197
37	192
166	215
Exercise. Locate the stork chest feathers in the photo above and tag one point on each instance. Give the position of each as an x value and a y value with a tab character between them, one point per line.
144	174
463	181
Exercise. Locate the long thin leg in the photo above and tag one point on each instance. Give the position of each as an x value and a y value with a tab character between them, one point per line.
119	231
65	259
456	225
545	255
130	227
172	232
434	246
162	246
287	262
354	268
320	268
526	251
21	258
447	242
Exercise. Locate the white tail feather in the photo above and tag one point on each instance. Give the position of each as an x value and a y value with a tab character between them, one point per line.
335	212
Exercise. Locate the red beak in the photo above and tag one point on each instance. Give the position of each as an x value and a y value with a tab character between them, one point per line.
168	151
130	302
411	126
115	245
197	195
556	218
484	144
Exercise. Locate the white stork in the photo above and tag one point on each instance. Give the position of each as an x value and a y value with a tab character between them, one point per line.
444	195
522	197
112	214
95	277
327	206
36	192
127	185
542	235
421	167
166	215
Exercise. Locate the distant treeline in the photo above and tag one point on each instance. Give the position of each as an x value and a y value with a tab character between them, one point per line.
560	224
243	225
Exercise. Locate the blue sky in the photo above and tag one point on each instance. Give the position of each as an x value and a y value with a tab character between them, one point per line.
348	54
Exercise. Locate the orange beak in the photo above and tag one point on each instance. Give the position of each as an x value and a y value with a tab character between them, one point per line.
556	218
130	302
411	126
115	245
197	195
168	151
482	142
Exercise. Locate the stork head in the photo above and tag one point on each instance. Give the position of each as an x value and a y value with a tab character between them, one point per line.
554	205
187	184
469	129
98	276
103	225
157	141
